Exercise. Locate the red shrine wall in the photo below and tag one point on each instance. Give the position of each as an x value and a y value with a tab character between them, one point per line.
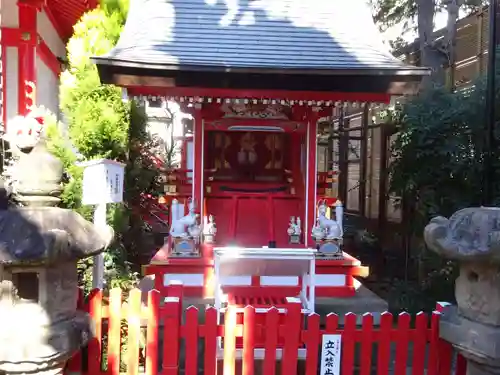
30	46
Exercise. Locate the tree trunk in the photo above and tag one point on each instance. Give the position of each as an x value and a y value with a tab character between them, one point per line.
428	56
452	8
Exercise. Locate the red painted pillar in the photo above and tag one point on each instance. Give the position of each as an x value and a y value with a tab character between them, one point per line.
311	176
198	138
27	56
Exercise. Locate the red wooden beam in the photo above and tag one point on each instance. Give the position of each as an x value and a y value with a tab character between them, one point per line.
37	4
48	57
13	37
258	94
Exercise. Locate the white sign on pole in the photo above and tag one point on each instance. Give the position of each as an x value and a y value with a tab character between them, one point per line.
102	181
102	184
331	354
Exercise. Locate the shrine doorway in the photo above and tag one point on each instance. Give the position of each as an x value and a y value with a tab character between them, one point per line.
253	184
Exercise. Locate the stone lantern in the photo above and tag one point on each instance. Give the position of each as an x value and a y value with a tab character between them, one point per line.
39	248
472	237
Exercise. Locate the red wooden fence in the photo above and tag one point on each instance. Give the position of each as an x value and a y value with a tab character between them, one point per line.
193	346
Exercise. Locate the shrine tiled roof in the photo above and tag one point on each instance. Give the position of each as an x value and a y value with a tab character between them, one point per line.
263	36
295	34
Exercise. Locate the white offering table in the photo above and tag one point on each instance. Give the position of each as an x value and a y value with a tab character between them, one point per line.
234	262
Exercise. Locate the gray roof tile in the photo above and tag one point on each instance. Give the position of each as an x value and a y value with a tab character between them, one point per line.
260	34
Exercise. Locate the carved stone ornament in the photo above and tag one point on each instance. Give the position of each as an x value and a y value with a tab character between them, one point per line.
37	177
470	234
24	132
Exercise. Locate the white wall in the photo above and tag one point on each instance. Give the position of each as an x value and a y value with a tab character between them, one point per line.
47	94
10	16
50	35
11	82
47	91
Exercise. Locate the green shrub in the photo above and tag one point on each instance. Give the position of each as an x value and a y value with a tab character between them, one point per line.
102	125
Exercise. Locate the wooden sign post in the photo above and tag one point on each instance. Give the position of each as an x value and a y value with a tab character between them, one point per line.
102	184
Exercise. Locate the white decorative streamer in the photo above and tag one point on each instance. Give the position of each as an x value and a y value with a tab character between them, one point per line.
202	99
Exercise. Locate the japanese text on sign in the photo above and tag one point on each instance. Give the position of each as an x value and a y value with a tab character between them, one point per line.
330	354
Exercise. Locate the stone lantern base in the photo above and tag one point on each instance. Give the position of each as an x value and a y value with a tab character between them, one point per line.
477	290
477	342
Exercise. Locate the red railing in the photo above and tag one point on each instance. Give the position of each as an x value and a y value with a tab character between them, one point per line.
191	346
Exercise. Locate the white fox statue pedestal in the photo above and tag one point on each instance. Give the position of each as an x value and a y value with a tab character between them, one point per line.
328	233
184	232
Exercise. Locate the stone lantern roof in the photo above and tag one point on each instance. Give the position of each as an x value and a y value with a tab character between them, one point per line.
47	235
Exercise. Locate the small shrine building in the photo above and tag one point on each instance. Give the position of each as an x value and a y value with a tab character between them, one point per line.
256	76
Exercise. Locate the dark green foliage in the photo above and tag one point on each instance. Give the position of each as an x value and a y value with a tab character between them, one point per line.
388	13
438	168
438	153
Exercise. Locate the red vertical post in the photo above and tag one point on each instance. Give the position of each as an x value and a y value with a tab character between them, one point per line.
271	344
114	331
270	210
312	345
348	344
210	341
230	325
171	335
366	344
234	219
419	344
134	331
402	341
311	183
191	341
152	333
384	343
433	362
95	344
248	340
27	56
75	363
198	137
293	330
294	160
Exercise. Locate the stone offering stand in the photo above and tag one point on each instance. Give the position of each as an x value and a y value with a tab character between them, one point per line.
472	237
40	245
